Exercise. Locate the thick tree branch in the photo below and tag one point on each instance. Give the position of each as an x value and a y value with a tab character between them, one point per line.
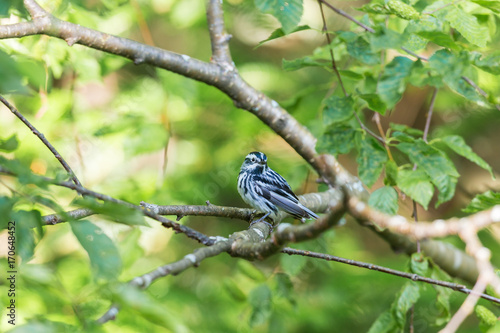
218	36
437	228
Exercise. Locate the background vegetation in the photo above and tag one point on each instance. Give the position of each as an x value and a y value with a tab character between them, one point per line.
141	133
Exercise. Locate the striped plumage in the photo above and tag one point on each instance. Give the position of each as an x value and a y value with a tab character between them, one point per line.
265	190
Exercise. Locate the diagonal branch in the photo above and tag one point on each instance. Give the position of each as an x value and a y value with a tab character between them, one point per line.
191	260
411	276
43	139
189	232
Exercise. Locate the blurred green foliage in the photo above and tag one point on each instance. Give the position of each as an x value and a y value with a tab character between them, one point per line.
138	133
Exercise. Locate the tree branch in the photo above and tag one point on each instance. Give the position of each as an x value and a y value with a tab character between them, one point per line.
411	276
189	232
218	37
191	260
43	139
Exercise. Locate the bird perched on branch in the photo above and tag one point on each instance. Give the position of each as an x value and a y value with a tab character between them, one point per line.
265	190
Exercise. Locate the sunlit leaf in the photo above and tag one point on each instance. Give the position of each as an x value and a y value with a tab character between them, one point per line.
371	160
458	145
359	48
116	212
338	109
278	33
287	12
416	185
27	222
104	257
393	81
483	201
468	26
9	144
435	164
337	140
385	199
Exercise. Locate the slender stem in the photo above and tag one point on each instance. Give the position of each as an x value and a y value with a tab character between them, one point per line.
329	41
43	139
429	115
414	277
349	17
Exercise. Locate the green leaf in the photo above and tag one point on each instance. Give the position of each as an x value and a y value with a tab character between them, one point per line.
452	67
337	140
147	307
391	173
435	164
416	185
146	138
483	201
385	199
260	300
419	264
393	82
468	26
385	323
307	61
402	10
359	48
284	286
104	258
490	63
442	296
292	265
278	33
374	8
493	5
374	102
395	319
11	81
287	12
114	211
371	159
408	296
9	144
386	39
41	325
249	269
406	129
233	289
6	205
458	145
338	109
486	317
26	224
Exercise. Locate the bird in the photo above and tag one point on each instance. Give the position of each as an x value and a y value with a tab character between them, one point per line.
265	190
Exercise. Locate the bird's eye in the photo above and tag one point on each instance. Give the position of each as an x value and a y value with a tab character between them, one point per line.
253	160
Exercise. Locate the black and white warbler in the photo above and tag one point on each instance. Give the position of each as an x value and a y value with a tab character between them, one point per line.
265	190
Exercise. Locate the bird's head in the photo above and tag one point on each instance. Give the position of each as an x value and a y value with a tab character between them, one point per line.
255	161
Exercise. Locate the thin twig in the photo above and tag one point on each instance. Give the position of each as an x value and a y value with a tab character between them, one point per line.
411	276
189	232
329	41
429	115
349	17
191	260
43	139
